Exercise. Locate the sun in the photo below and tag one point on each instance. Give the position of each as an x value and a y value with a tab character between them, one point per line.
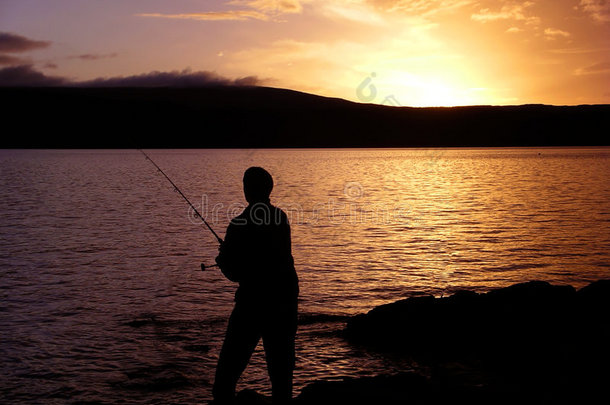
427	91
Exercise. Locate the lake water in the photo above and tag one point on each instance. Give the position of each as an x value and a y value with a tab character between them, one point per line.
103	300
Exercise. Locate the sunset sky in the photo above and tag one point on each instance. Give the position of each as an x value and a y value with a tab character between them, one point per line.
421	52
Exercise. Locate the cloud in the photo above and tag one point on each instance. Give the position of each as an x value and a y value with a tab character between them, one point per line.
27	76
511	11
514	30
262	10
93	56
271	6
13	43
382	12
578	51
410	65
10	60
184	78
419	7
358	12
553	33
599	9
597	68
232	15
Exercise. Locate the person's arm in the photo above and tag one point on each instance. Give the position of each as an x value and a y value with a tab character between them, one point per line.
228	254
286	240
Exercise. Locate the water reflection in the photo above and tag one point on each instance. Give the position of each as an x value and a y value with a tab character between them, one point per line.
92	240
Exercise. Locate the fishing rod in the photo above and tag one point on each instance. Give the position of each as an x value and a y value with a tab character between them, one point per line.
218	238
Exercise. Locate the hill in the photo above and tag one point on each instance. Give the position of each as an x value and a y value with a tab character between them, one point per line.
263	117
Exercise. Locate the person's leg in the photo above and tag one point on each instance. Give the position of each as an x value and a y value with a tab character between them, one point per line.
239	344
279	341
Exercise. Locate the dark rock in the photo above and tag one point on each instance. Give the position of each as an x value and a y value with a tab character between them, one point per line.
596	295
533	295
449	383
385	389
531	342
466	320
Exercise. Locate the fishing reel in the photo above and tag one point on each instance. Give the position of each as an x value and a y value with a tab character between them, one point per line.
203	266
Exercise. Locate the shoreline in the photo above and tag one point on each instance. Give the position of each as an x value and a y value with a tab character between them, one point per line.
532	343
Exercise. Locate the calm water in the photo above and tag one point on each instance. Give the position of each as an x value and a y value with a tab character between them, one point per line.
103	300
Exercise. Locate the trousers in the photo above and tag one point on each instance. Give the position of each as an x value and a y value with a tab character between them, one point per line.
276	325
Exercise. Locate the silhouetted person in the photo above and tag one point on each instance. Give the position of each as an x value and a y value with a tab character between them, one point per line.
257	254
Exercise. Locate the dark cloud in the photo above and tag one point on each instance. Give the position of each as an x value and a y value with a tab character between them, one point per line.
10	60
93	56
248	81
184	78
20	72
26	75
16	43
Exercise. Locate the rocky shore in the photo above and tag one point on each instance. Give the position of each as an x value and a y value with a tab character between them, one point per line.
530	343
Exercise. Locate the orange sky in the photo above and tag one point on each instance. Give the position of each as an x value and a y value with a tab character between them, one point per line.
401	52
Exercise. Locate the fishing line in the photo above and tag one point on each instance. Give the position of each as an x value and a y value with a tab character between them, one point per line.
197	213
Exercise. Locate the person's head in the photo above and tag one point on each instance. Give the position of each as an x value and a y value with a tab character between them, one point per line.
258	184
